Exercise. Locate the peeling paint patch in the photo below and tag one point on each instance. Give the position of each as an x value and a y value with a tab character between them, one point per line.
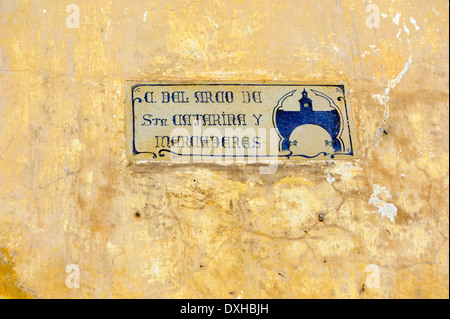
385	209
397	18
414	23
392	84
406	29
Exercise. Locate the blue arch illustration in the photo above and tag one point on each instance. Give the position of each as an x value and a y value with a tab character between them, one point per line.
287	121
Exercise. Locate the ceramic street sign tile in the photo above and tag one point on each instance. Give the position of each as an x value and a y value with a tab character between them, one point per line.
226	122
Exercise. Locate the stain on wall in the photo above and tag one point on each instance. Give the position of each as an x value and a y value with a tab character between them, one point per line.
69	196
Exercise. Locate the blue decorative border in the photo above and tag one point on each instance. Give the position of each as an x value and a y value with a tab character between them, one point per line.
162	151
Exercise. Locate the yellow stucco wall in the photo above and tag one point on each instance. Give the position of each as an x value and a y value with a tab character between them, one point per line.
68	195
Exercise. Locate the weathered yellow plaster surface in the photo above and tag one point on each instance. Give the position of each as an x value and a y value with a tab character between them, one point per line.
69	196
